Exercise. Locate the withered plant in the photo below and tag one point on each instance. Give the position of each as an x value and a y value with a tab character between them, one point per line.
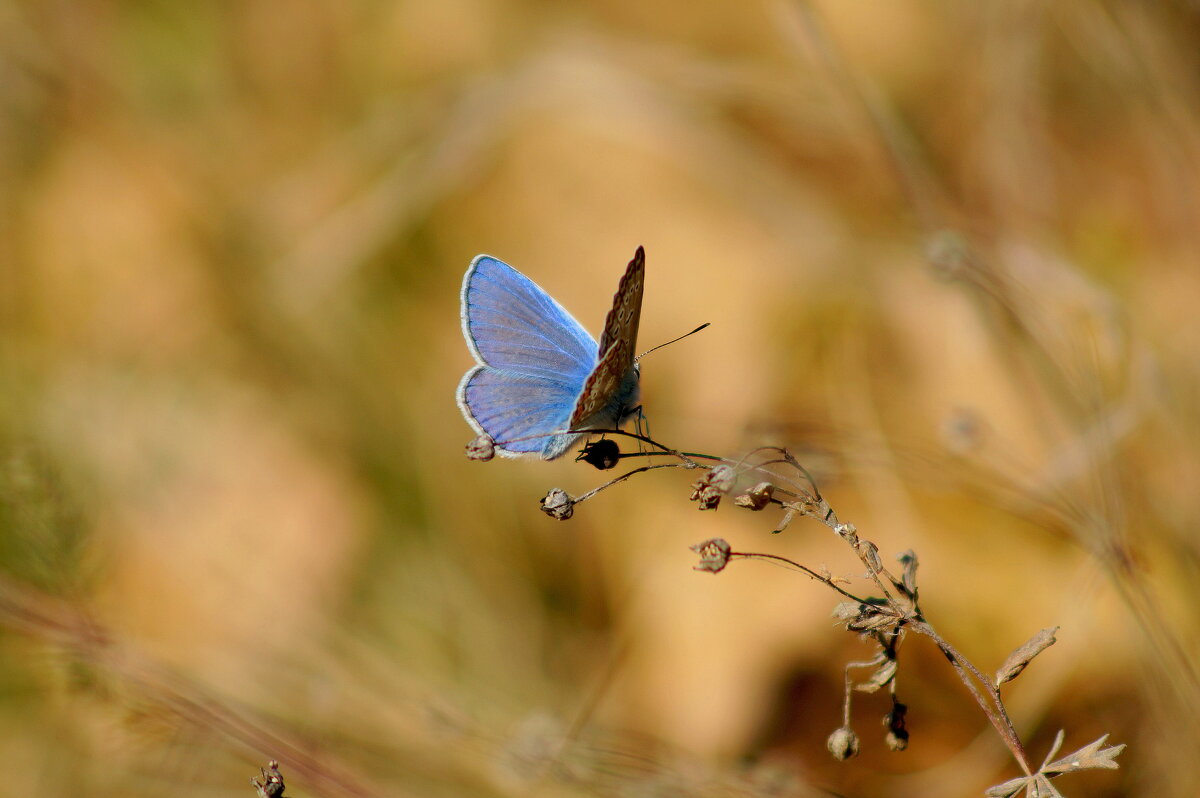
882	612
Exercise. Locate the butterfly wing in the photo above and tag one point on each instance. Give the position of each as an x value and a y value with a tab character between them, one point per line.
622	321
511	324
612	384
534	359
518	410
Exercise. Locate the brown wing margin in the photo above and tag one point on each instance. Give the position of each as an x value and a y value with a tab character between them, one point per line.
622	321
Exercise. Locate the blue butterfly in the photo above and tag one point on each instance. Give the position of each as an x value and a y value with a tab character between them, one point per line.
540	377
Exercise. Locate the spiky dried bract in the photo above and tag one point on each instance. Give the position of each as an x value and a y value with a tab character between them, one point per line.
602	454
1090	757
715	483
757	498
558	504
864	617
1017	660
843	744
481	447
714	555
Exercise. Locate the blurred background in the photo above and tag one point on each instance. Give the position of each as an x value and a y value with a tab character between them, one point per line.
949	253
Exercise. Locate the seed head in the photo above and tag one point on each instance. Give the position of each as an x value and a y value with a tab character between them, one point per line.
482	447
714	555
715	483
843	744
558	504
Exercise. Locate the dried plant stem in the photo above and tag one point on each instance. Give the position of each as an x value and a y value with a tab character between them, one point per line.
825	580
624	477
883	619
992	704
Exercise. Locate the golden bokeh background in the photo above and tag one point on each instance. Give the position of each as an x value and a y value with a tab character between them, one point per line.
949	253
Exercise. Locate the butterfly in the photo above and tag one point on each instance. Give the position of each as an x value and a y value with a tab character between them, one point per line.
540	377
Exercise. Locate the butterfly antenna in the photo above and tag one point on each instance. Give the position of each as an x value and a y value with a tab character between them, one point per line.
680	338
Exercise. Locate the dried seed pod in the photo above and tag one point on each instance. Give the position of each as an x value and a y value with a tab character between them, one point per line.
714	555
757	497
843	744
897	735
715	483
558	504
482	447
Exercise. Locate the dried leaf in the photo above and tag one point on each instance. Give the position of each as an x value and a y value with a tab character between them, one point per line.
788	517
882	675
909	560
1090	757
1017	660
1009	789
846	611
1054	747
870	554
1042	788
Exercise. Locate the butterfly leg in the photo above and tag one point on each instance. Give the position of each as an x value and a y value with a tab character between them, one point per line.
641	425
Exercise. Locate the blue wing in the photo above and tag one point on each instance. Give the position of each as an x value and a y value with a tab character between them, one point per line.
513	325
534	359
518	410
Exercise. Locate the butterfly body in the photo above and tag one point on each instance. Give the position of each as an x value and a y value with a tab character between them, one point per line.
540	377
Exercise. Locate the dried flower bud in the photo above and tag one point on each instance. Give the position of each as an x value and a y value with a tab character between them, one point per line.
558	504
897	736
757	497
271	785
843	744
709	489
1016	661
706	495
482	447
722	478
603	454
848	533
870	554
714	555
